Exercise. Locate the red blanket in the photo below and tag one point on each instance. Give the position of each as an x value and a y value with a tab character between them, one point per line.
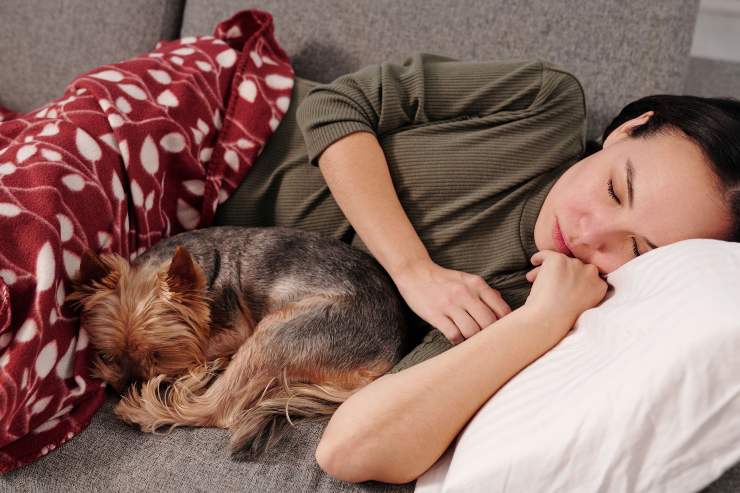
132	152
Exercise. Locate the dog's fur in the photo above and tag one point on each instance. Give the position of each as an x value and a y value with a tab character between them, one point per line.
240	328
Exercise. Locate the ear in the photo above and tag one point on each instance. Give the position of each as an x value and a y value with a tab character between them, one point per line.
92	268
625	129
184	274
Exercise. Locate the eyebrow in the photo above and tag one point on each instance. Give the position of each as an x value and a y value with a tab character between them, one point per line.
631	195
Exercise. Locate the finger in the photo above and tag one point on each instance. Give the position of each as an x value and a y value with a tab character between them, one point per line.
447	327
493	299
467	325
532	274
543	255
483	314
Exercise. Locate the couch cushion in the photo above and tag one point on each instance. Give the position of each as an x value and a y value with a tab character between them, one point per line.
713	78
619	50
729	482
46	44
112	456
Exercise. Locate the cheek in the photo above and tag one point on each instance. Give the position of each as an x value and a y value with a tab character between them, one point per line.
573	193
585	199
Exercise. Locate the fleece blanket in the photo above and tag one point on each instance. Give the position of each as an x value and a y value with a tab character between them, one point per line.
131	153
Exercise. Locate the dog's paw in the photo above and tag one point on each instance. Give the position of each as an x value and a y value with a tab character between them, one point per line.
145	407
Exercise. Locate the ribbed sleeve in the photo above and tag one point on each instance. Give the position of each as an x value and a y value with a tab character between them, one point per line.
434	343
473	150
325	135
425	88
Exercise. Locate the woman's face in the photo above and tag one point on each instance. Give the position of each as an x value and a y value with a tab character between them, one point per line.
674	199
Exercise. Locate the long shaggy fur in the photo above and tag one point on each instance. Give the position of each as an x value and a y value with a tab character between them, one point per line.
289	340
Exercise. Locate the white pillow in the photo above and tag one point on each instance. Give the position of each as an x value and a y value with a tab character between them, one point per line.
643	394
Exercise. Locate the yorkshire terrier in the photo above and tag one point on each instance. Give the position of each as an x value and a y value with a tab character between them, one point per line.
239	328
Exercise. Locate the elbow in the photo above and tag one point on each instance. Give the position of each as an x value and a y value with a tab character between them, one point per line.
350	463
339	465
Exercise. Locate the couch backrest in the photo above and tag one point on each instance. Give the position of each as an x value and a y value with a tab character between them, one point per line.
713	78
620	50
45	44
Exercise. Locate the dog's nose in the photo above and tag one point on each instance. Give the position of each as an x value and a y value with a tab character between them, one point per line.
131	368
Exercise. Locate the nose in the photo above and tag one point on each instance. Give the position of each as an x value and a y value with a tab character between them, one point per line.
597	233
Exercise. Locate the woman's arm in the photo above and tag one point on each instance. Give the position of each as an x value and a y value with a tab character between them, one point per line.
459	304
396	427
364	191
341	122
428	88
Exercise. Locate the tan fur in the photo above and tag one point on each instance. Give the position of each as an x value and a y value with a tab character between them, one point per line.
140	326
232	380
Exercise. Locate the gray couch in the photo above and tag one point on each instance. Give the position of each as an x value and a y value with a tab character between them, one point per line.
619	49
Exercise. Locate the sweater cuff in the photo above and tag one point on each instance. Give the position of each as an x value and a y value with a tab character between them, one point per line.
318	139
434	343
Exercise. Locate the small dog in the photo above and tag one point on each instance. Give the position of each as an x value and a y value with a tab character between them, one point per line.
244	327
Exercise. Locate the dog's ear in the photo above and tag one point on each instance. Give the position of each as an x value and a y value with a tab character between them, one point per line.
184	274
92	268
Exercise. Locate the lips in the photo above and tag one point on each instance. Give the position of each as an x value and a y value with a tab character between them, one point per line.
559	240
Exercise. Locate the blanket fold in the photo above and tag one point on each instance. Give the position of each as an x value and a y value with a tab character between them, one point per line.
131	153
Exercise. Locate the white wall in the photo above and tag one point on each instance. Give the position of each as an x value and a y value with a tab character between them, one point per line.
717	32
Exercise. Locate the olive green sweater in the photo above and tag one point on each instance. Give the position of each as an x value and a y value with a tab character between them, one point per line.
473	149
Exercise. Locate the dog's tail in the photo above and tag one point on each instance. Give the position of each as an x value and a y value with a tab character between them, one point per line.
298	365
181	403
275	406
259	409
257	404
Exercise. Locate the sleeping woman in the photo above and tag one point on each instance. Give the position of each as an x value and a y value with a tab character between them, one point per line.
473	186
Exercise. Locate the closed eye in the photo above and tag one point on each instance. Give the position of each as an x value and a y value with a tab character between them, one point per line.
610	188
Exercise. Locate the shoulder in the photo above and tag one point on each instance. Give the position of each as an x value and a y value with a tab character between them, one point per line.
555	81
559	84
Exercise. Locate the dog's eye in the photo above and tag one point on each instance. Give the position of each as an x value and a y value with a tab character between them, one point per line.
106	357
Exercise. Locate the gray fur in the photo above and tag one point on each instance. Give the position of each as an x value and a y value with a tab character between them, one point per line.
266	268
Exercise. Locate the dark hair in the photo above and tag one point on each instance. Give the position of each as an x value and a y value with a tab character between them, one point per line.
712	123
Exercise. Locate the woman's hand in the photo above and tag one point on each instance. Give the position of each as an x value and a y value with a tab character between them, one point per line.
457	303
564	287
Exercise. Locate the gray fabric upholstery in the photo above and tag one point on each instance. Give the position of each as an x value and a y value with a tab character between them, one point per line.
46	44
713	78
620	50
111	456
729	482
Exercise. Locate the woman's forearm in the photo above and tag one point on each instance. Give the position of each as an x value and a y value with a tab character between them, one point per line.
357	173
396	427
